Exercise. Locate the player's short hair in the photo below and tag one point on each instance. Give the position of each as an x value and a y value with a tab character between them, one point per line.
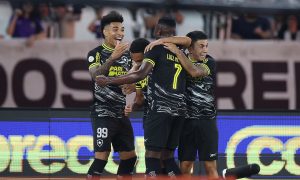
138	45
112	16
196	35
165	27
58	3
167	21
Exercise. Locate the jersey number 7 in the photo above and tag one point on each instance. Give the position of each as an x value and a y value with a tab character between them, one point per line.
178	70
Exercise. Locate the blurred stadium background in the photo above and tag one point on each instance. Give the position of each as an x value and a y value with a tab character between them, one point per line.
45	86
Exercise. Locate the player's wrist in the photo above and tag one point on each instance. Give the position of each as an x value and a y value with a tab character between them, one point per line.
178	52
112	58
109	80
135	106
162	41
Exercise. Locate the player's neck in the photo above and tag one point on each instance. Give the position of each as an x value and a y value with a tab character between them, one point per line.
109	45
193	59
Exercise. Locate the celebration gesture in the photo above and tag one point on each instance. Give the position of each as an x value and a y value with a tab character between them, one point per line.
120	49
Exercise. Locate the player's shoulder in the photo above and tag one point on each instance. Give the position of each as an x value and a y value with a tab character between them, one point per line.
210	58
95	50
155	51
159	47
210	61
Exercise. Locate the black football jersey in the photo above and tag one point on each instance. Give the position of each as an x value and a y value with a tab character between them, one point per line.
109	100
200	91
166	83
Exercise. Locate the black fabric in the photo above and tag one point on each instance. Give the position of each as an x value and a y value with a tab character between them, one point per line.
162	131
97	167
166	83
115	131
108	101
199	136
172	168
126	166
152	167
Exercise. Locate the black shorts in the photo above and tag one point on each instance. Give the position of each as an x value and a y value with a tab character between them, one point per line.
198	135
115	131
162	131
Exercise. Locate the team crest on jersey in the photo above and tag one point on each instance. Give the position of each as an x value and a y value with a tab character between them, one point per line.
99	142
91	59
124	58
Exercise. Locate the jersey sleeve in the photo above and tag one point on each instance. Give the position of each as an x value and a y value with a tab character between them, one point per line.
138	85
93	59
152	56
142	83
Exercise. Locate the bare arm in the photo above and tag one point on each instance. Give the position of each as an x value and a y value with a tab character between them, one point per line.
12	25
92	27
138	103
104	68
194	71
130	88
264	34
133	77
178	40
235	36
138	100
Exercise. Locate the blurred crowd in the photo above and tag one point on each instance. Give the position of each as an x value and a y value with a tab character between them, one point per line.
42	20
252	26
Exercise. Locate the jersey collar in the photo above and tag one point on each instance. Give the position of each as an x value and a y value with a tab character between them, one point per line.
194	60
105	46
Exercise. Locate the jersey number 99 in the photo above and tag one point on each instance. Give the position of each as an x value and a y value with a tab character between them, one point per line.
102	133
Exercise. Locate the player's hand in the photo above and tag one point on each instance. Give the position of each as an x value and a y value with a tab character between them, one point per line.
120	49
152	44
102	80
258	31
128	88
172	47
128	109
18	12
135	67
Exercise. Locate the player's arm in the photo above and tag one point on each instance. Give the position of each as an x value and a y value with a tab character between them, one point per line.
137	103
132	77
194	71
138	100
178	40
130	88
103	69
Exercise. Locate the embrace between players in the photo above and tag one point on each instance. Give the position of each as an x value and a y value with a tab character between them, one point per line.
175	88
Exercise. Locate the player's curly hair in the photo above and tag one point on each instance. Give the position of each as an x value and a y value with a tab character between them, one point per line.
112	16
138	45
196	35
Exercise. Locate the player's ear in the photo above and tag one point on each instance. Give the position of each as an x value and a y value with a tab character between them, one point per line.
157	33
190	49
105	31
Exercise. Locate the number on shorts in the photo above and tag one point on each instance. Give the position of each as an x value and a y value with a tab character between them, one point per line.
102	133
